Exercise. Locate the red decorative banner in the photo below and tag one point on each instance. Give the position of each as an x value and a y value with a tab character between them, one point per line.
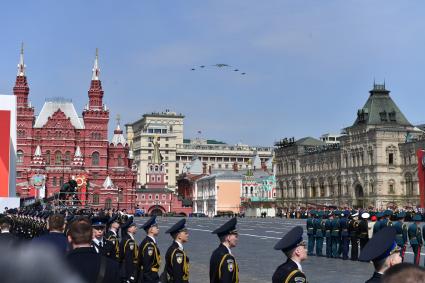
4	152
421	176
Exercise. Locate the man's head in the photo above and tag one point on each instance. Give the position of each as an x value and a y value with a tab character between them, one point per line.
115	225
292	245
151	227
80	232
299	253
182	236
404	272
5	224
132	229
56	223
382	250
179	231
230	239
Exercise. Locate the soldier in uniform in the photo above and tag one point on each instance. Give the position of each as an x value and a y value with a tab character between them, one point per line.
378	222
335	235
319	225
401	233
364	230
129	252
223	265
383	251
353	231
99	242
112	235
310	232
345	239
415	237
176	260
328	229
293	246
149	255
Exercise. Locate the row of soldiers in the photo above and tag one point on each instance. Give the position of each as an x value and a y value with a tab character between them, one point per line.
339	229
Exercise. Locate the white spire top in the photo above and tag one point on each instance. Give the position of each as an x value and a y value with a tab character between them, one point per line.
96	70
78	152
21	65
108	183
37	151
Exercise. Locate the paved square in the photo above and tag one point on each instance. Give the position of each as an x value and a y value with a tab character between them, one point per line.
255	254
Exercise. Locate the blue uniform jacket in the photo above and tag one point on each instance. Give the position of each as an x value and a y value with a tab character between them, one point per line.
401	233
415	234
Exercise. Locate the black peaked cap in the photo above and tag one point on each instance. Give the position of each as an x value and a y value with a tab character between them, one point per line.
148	224
227	228
179	226
380	245
290	240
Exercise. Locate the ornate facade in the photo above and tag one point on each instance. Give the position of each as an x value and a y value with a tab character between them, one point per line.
373	165
57	145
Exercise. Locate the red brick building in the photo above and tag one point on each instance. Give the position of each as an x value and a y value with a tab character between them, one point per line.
155	198
58	145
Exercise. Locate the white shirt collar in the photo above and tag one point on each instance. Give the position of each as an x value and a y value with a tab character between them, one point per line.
298	265
131	236
113	232
180	245
230	251
153	239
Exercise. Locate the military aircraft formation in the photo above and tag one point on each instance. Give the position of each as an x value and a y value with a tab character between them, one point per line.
218	66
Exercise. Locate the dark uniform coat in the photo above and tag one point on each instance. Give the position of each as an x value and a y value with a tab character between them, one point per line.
105	248
149	261
288	273
54	239
223	266
129	258
87	263
176	264
376	278
113	238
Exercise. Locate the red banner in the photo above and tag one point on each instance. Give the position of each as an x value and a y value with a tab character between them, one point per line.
4	152
421	176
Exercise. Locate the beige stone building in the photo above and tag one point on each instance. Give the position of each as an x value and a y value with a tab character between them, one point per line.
179	152
374	163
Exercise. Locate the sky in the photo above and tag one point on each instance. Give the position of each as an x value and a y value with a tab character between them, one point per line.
309	64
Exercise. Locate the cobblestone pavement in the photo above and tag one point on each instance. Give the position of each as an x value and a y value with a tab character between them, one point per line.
255	254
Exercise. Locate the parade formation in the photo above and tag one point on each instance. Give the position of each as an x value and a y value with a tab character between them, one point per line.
103	244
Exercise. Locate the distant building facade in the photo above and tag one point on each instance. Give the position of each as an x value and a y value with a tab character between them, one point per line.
374	163
178	152
155	198
58	145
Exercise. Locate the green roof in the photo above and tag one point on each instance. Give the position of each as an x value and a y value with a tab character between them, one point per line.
380	109
215	142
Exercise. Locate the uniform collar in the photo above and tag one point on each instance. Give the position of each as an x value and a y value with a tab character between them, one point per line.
153	239
131	236
228	249
298	265
180	245
113	232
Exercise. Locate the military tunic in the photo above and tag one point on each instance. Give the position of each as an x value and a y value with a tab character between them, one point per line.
415	238
104	247
112	237
353	230
223	266
310	235
363	233
401	236
149	261
376	278
176	264
289	273
129	258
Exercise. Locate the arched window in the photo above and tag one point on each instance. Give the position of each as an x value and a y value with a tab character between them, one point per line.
61	182
67	158
150	196
156	168
156	196
96	199
120	161
108	203
54	182
95	159
58	158
19	156
163	196
48	157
